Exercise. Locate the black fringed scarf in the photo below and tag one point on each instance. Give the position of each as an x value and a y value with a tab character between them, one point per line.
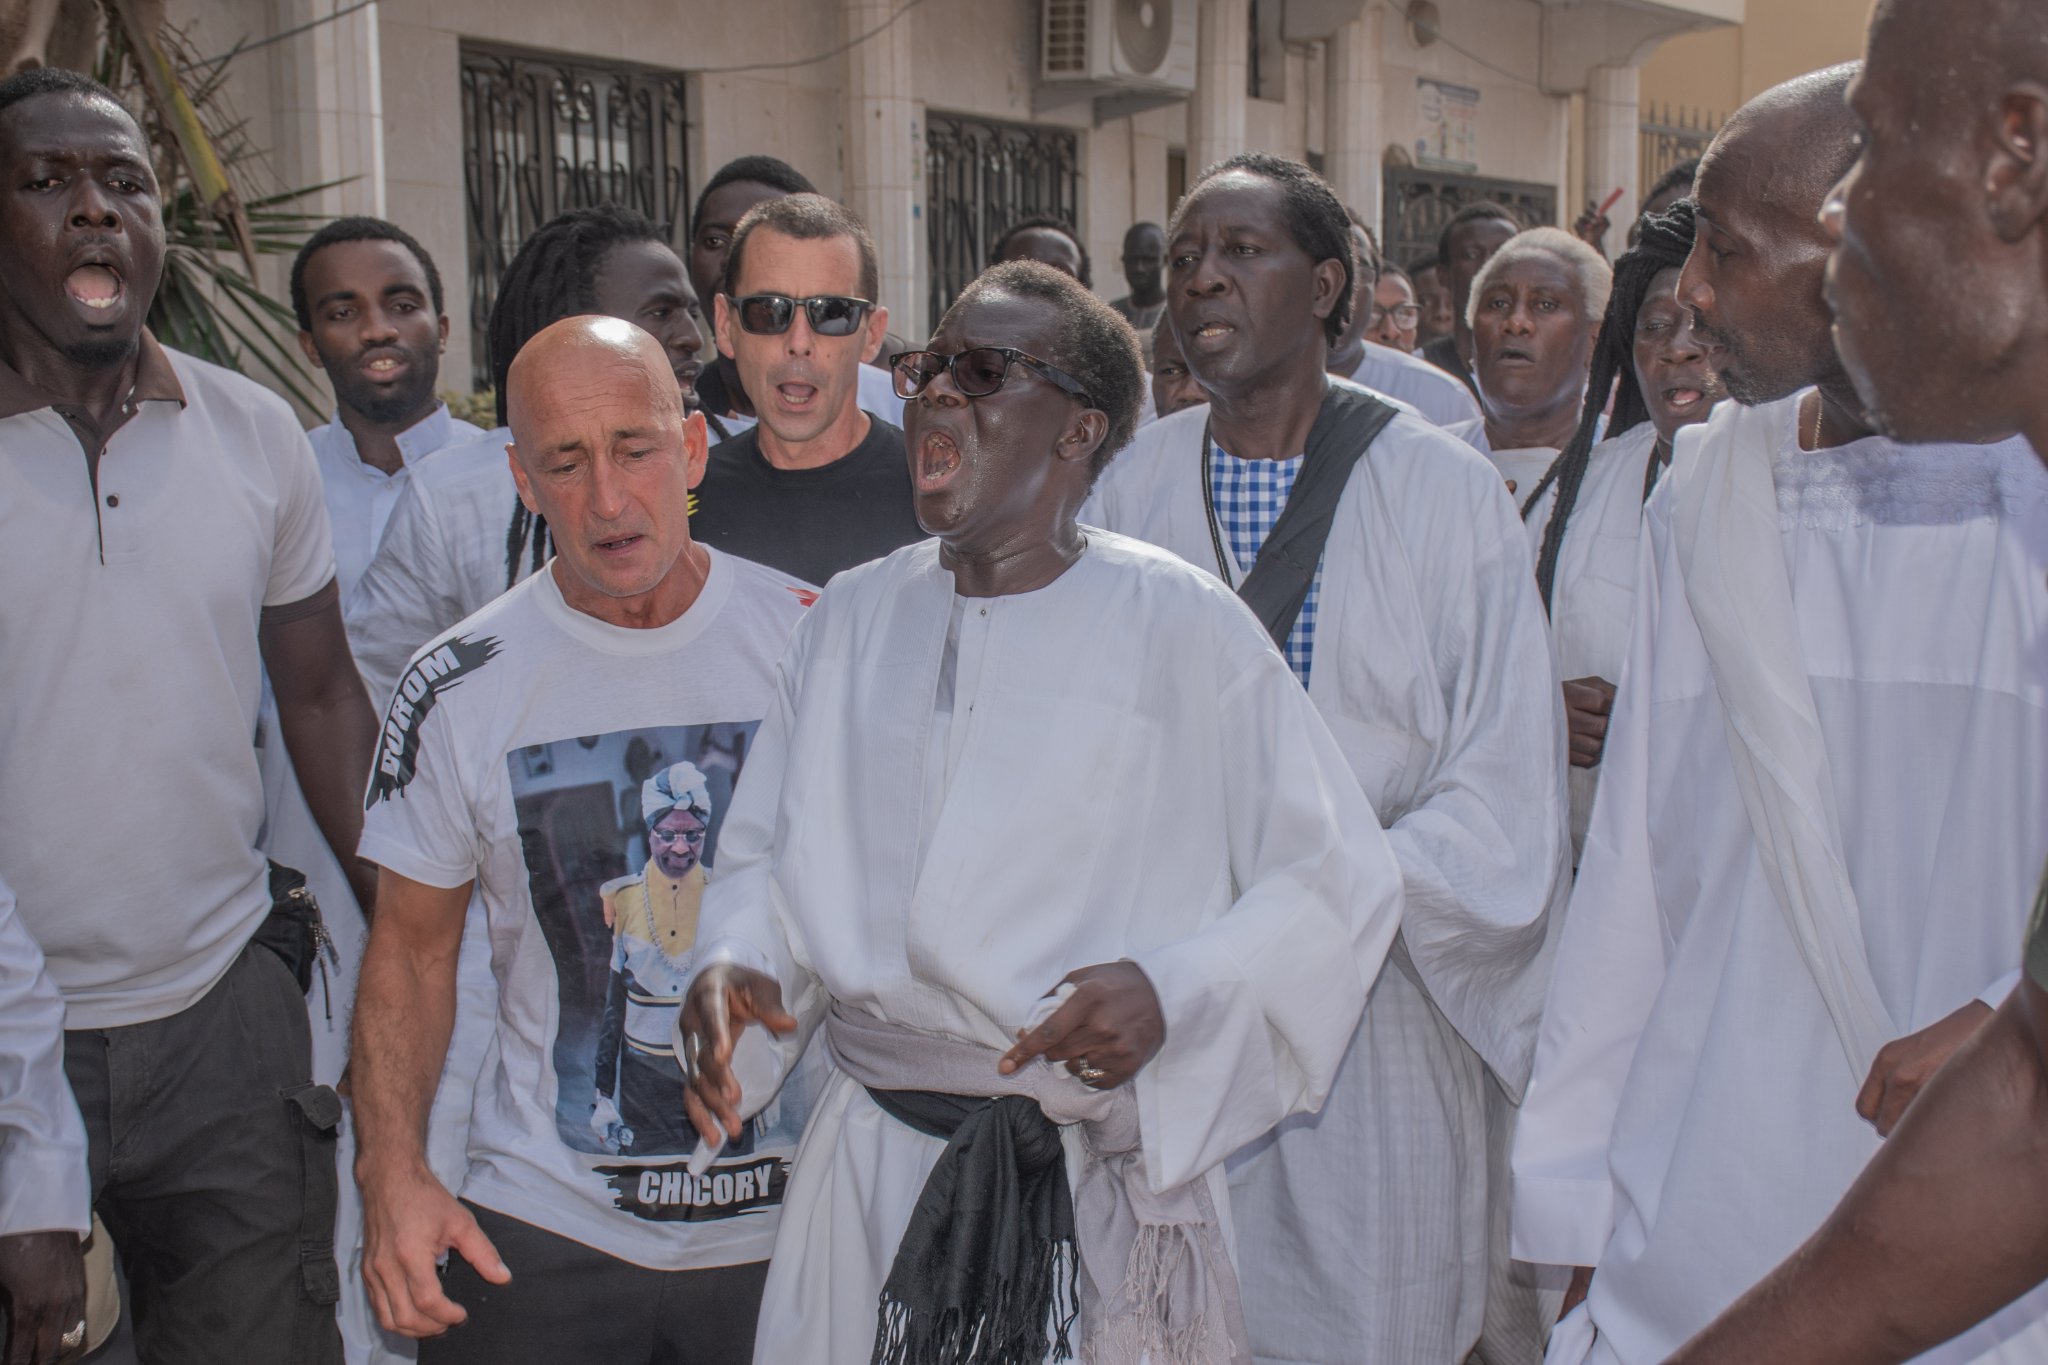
988	1259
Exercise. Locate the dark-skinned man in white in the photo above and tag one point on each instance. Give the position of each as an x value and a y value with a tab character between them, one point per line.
1039	815
1785	902
162	527
1369	1232
1942	232
633	644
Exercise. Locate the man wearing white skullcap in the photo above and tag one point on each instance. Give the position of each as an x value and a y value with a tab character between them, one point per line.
653	916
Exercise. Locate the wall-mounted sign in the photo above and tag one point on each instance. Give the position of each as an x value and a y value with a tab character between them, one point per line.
1449	116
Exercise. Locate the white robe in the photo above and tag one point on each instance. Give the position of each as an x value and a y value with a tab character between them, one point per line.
1523	467
1441	397
1363	1233
1692	1118
441	560
1133	774
1592	598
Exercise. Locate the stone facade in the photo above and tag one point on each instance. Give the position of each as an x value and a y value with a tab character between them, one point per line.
372	99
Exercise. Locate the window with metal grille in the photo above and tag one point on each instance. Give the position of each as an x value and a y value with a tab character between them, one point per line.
543	134
1418	203
982	176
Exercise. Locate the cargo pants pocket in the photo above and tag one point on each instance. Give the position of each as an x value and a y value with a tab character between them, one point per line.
317	1113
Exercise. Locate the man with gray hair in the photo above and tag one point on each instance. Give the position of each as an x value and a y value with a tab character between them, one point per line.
1535	311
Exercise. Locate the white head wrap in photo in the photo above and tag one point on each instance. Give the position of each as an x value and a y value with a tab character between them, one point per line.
680	784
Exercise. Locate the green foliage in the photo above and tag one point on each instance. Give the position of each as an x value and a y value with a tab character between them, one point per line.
479	408
210	303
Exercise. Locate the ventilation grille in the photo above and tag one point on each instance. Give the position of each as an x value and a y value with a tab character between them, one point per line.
1066	37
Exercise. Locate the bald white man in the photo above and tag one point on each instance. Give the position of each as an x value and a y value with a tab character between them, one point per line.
515	763
1944	1227
1822	810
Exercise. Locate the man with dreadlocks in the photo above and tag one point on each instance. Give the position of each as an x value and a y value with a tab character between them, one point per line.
1584	515
448	548
1822	810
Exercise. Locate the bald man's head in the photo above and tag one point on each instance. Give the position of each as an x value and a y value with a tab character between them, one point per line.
586	355
1754	278
603	449
1940	280
1792	142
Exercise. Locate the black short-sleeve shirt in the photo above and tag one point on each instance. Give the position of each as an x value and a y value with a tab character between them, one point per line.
810	523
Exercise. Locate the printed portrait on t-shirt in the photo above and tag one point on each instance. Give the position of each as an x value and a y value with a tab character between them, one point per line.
618	833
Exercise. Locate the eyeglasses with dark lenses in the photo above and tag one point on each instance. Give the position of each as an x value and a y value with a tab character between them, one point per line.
831	315
977	372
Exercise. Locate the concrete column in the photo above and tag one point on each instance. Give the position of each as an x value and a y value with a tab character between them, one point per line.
1216	124
1353	97
330	107
1613	139
885	157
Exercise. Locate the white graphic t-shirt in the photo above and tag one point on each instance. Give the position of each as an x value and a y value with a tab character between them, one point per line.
579	772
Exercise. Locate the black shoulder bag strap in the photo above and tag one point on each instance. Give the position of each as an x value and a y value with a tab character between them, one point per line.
1350	420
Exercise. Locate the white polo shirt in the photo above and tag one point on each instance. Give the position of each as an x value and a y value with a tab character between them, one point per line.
129	794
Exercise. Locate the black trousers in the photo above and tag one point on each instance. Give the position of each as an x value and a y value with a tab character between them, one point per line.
212	1157
571	1302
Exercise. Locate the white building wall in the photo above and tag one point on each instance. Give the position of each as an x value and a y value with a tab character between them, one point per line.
1522	130
321	99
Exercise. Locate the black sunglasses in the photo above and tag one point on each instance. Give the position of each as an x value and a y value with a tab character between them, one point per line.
977	372
831	315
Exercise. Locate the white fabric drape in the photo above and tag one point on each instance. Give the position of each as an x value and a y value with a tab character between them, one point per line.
1724	524
1690	1120
1135	774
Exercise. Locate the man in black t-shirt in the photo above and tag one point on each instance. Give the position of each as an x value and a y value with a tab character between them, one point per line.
819	485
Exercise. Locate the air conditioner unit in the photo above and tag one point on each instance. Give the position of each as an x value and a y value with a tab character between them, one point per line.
1118	44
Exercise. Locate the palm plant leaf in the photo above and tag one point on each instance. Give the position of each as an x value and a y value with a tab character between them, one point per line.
222	207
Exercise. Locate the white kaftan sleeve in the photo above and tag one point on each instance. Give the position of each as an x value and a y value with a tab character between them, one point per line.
406	597
1609	968
745	918
44	1184
1484	835
1261	1004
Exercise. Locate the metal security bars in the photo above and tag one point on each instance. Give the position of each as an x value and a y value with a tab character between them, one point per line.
1420	202
982	176
1670	136
542	134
